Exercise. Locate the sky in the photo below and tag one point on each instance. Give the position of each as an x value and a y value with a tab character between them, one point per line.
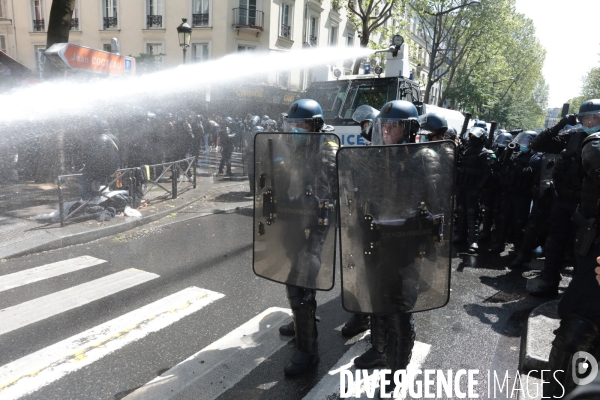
570	33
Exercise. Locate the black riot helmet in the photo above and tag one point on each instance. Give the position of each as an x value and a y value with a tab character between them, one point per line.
590	157
450	134
254	121
477	136
257	128
228	122
434	123
365	115
479	123
397	123
523	139
589	116
502	140
304	115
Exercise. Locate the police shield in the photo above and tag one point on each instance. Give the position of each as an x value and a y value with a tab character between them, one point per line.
295	208
548	161
395	225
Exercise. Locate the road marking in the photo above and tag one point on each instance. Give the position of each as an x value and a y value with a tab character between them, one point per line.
35	310
47	271
224	362
329	386
32	372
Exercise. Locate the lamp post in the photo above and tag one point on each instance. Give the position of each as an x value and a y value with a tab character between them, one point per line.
436	41
184	31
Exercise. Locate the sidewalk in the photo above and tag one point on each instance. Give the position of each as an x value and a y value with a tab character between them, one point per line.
20	235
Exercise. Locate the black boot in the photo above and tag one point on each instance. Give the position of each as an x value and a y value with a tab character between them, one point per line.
401	339
499	236
375	356
546	285
460	234
486	228
357	323
526	247
287	330
574	334
473	228
303	308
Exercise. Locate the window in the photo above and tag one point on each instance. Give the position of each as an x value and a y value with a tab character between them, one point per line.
154	19
333	35
154	48
350	40
199	52
246	48
37	7
75	17
110	14
39	53
313	30
107	47
200	13
3	9
285	21
3	43
247	15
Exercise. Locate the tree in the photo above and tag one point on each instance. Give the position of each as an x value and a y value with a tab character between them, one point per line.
591	84
59	26
445	27
368	16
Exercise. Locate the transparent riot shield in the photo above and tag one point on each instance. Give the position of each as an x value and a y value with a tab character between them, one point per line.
295	212
548	161
395	226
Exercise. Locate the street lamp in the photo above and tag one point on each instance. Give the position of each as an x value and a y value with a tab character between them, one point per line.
184	31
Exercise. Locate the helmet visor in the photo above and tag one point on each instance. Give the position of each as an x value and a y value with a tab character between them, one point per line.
299	125
364	112
589	119
391	131
503	139
524	138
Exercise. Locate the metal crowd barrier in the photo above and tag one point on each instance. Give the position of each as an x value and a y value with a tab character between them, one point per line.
179	174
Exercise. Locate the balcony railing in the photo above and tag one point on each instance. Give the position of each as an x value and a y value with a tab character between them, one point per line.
313	40
39	25
285	31
246	18
200	19
110	22
154	21
74	24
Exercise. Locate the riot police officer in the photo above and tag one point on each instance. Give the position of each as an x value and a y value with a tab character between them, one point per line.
567	178
395	190
316	172
227	144
519	167
475	168
579	308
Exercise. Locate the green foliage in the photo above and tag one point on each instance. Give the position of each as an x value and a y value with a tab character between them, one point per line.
591	84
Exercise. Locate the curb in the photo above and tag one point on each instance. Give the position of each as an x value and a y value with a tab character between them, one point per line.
536	341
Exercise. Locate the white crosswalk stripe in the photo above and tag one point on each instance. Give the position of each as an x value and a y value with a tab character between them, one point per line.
230	360
35	310
38	369
227	361
47	271
212	160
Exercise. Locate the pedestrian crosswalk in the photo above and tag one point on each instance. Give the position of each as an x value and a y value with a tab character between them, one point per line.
228	360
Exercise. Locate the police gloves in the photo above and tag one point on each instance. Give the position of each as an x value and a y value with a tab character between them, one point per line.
570	119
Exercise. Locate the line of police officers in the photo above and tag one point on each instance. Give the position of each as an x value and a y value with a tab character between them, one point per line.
404	211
